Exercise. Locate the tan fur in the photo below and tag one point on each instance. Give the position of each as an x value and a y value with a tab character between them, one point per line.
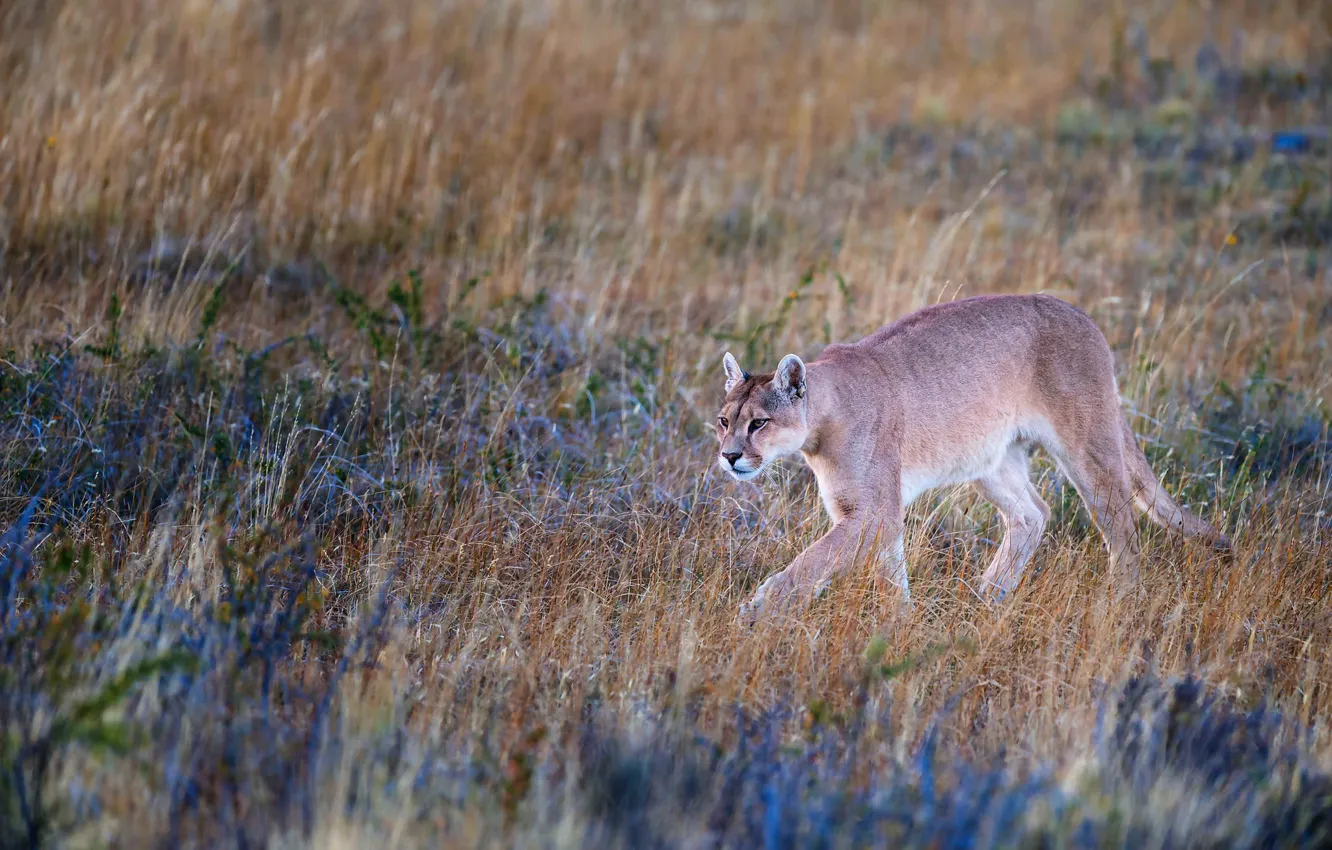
953	393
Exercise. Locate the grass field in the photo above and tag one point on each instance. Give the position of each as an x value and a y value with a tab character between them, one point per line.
358	368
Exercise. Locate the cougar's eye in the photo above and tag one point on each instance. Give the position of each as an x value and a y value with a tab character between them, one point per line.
723	421
756	424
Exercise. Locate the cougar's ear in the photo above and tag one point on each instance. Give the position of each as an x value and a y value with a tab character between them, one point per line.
791	376
734	374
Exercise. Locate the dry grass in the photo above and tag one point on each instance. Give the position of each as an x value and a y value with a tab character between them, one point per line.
429	299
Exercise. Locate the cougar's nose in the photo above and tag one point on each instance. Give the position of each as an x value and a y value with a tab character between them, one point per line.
732	457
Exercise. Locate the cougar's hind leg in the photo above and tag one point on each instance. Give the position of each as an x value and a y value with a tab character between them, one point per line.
1097	470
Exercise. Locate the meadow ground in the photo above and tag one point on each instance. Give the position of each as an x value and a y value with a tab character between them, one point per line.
359	360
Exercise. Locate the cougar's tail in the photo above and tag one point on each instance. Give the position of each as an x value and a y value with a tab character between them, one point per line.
1153	499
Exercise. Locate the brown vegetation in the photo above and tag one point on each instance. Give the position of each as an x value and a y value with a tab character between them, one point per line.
442	290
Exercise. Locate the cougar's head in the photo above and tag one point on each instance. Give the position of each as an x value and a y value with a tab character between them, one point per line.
762	418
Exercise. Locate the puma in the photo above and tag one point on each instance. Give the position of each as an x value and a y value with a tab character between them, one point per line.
956	392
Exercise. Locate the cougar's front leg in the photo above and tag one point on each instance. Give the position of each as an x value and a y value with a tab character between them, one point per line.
849	542
865	504
811	570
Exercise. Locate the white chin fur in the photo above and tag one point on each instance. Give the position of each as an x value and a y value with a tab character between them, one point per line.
745	474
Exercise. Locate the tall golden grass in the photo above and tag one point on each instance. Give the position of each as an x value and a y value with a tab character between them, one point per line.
597	199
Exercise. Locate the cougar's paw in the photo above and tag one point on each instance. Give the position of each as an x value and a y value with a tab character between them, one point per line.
748	615
751	612
994	595
769	596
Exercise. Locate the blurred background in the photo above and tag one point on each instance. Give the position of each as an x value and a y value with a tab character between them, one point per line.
716	143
